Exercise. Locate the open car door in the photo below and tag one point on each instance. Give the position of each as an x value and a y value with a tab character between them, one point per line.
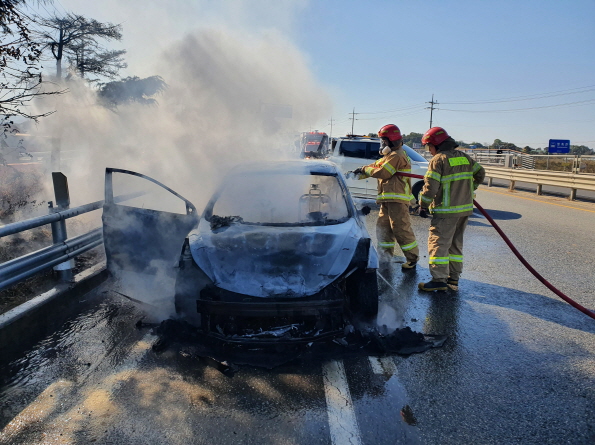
144	227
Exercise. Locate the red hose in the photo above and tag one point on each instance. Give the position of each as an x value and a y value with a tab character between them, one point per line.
536	274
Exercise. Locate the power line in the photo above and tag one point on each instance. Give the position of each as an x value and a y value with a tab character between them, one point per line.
578	90
578	103
392	111
396	115
63	8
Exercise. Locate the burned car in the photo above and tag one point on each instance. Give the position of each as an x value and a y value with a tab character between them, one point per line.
279	252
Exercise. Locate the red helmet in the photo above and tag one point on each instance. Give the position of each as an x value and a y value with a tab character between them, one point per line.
390	131
435	136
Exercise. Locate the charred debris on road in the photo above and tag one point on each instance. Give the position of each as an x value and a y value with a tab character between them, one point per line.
283	344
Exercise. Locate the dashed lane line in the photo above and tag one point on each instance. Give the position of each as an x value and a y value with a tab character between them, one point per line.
341	414
382	365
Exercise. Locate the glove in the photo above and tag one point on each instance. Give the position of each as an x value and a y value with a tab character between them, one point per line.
423	212
358	171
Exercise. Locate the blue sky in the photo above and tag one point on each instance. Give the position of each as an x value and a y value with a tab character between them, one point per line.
387	58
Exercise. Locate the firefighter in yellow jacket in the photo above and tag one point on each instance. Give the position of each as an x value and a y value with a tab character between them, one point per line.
449	188
394	196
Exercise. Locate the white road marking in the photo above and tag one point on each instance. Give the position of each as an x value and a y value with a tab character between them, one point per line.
376	365
382	365
341	415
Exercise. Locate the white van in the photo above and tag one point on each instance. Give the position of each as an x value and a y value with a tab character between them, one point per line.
352	152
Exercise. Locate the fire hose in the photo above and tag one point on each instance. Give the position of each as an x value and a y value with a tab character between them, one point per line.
530	268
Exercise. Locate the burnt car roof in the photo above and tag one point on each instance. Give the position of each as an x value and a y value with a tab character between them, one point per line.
288	167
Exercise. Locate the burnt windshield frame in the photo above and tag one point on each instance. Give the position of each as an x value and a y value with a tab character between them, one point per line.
208	212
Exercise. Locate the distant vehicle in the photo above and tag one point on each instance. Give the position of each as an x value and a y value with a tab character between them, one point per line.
278	246
351	152
314	144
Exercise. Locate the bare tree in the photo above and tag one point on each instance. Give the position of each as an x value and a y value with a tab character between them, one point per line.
20	68
70	34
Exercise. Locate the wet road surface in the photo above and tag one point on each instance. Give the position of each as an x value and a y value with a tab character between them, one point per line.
518	366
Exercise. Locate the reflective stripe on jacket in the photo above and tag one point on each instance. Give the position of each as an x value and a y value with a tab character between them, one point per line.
391	187
450	183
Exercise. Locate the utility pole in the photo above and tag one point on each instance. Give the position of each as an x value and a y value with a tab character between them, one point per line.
331	121
431	108
353	119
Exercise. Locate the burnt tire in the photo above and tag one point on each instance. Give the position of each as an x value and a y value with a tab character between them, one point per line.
189	282
363	288
186	309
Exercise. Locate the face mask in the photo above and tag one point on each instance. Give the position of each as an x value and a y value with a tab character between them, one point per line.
384	148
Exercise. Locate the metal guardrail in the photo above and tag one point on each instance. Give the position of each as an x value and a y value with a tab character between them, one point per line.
62	251
20	226
570	163
573	181
16	270
60	254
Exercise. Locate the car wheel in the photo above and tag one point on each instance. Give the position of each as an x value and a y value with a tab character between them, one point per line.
364	294
416	189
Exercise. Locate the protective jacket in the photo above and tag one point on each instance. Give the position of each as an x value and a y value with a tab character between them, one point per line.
391	187
450	183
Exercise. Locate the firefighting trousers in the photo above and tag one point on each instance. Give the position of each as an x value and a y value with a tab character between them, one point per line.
445	247
394	227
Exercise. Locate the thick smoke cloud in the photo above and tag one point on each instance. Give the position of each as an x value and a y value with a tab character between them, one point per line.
226	103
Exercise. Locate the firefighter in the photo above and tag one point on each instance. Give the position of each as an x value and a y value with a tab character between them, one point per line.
394	196
449	188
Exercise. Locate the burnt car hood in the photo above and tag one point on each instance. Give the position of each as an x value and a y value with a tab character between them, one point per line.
265	261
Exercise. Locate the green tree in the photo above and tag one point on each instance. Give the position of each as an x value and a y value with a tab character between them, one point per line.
131	89
373	135
69	34
501	145
580	150
412	138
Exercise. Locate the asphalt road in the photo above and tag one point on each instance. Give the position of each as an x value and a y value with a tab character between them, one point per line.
518	366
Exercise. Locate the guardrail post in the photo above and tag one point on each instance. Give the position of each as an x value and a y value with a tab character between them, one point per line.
490	180
539	189
59	235
577	164
572	196
511	186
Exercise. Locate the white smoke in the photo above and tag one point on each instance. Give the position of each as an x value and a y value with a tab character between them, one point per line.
226	97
